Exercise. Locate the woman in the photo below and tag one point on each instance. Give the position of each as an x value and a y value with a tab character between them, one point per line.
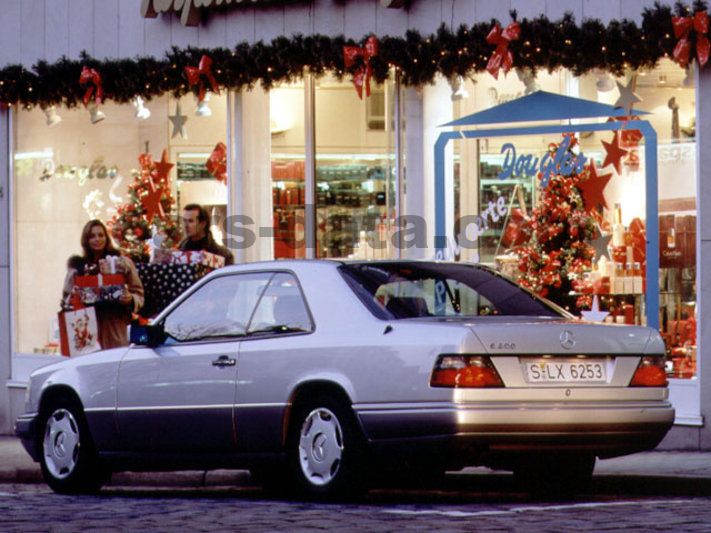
113	317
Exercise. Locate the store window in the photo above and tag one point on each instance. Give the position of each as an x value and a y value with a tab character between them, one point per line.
354	176
608	263
74	165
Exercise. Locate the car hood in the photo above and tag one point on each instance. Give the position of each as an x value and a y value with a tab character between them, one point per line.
544	335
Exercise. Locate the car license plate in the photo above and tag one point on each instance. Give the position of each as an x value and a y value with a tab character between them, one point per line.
562	371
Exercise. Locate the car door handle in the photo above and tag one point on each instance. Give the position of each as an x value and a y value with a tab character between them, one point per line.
224	360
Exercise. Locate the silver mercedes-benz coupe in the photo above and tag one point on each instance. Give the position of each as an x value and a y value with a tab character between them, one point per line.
321	374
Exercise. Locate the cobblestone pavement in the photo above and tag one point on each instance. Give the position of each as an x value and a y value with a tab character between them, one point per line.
458	505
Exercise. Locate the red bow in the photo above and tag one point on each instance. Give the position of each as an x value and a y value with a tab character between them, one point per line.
195	74
682	29
502	58
361	76
92	78
217	163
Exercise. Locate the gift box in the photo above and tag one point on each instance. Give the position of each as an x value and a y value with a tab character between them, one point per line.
100	288
163	283
179	257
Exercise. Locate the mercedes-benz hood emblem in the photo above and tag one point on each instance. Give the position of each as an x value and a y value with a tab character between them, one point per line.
567	339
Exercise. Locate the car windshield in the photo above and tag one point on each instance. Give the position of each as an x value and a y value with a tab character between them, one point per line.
413	289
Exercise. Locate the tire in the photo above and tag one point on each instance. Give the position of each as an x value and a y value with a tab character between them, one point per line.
555	476
326	450
68	460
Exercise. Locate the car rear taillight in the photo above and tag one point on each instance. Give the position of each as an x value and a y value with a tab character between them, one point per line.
465	371
650	372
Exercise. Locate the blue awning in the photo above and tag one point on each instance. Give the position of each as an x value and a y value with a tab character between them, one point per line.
542	105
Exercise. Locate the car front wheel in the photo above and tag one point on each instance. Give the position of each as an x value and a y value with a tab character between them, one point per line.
326	449
69	461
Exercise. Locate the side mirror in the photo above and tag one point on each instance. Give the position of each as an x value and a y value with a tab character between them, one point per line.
150	335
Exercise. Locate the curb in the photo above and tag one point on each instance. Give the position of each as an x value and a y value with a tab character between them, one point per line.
187	478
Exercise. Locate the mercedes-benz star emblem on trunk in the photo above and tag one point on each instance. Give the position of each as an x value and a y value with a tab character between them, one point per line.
567	339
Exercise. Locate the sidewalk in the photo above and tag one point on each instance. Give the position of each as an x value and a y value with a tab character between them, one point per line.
17	467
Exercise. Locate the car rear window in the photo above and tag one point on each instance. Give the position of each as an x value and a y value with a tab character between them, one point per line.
414	289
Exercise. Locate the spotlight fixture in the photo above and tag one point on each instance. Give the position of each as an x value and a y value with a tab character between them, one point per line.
142	112
604	82
96	114
459	92
528	78
203	110
52	117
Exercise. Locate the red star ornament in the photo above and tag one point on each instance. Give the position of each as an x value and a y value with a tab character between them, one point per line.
151	202
163	167
614	153
593	187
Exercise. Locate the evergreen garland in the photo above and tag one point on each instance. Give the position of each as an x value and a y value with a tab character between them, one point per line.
544	44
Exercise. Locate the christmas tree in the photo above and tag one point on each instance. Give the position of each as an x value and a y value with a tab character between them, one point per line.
557	253
147	210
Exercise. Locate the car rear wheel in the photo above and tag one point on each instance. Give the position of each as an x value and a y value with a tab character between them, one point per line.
326	449
559	475
69	462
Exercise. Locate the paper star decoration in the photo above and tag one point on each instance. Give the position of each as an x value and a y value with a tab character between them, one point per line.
592	188
178	120
628	97
151	202
614	153
601	243
594	315
163	167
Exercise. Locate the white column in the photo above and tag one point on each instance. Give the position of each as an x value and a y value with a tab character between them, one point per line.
703	249
414	184
6	421
250	177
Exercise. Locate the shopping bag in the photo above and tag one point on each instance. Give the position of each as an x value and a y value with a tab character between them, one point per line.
78	332
517	231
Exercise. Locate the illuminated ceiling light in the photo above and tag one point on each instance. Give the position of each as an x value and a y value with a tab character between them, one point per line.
96	114
604	82
459	92
203	110
142	112
52	117
528	78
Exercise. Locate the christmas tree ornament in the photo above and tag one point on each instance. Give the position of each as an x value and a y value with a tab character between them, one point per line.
502	57
52	118
628	97
217	163
96	115
202	76
594	315
178	120
601	244
684	28
162	168
203	109
614	153
91	79
142	112
592	188
356	59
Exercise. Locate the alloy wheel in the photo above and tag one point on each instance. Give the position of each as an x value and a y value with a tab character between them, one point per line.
320	446
61	443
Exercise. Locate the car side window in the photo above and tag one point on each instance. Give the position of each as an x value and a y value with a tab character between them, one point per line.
281	309
220	308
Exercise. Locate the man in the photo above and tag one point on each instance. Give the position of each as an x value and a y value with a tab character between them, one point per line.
196	224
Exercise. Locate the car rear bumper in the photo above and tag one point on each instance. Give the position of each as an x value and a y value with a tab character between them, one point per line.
600	428
25	429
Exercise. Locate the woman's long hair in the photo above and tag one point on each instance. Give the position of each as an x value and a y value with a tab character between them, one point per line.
110	248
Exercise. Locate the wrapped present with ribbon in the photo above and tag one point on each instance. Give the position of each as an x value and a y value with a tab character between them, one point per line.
101	288
180	257
163	283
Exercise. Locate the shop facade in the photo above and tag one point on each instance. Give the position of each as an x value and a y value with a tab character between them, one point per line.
302	166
